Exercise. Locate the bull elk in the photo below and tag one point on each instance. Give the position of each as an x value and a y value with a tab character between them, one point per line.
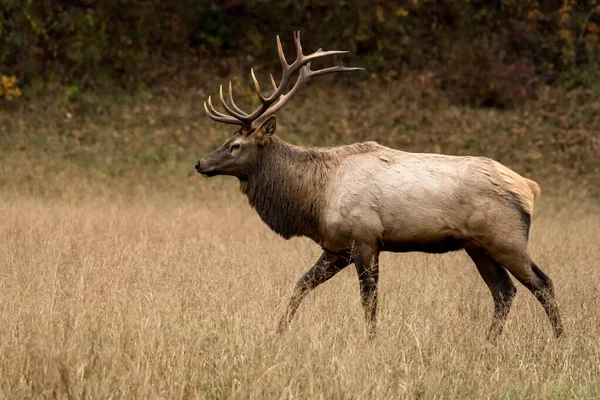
358	200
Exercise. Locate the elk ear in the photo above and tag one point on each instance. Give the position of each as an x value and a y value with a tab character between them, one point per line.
265	130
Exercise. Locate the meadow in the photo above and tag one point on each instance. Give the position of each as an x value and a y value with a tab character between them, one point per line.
175	294
124	274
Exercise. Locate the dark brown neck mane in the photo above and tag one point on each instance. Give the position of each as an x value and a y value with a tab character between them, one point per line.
289	185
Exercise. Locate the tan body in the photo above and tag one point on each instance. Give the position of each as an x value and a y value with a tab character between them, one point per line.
358	200
406	201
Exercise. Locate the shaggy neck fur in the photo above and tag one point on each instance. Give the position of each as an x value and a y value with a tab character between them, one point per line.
289	185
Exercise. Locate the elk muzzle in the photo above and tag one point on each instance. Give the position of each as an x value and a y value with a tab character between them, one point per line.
203	167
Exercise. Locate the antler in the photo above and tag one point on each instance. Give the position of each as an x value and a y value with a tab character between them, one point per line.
270	104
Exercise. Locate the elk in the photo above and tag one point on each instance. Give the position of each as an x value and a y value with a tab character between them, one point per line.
358	200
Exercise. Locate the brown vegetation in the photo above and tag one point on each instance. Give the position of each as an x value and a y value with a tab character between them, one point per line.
176	292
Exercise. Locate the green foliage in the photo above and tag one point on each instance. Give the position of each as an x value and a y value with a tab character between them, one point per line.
484	52
72	92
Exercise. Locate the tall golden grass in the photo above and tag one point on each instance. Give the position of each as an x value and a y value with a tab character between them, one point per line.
175	294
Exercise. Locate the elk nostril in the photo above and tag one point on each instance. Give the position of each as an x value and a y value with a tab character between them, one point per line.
197	165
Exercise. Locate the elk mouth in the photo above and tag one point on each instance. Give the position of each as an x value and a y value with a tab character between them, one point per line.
208	174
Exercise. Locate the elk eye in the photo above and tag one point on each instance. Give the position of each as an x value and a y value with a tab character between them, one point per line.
234	147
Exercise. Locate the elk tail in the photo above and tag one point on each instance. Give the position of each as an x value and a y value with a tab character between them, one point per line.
535	188
525	190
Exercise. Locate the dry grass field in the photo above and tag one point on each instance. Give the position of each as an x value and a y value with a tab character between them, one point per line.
174	292
123	274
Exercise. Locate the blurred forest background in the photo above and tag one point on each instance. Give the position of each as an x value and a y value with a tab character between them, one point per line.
516	80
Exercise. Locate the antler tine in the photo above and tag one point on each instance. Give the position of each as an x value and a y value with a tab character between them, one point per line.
214	111
284	64
298	45
338	68
216	116
321	53
273	82
261	97
229	110
235	107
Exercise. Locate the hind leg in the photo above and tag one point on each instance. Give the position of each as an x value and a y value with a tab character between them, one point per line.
543	289
501	286
519	264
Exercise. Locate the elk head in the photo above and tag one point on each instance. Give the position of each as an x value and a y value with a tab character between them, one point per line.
240	153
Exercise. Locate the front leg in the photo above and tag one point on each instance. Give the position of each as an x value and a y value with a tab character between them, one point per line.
324	269
366	260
